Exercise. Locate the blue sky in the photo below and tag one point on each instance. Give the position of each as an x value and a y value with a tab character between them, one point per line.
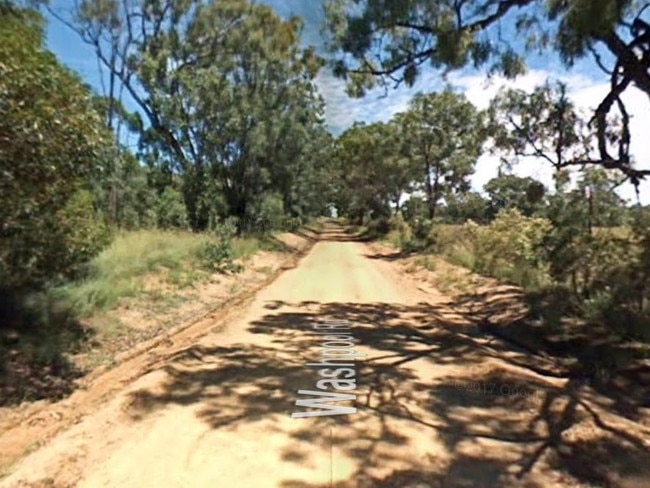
586	83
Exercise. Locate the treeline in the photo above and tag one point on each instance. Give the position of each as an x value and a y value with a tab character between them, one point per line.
421	161
219	96
579	240
380	45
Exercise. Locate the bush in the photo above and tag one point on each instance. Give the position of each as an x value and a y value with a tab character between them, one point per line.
52	142
218	254
509	248
400	233
171	212
378	228
292	224
612	276
506	249
422	229
414	209
80	235
444	238
603	277
267	214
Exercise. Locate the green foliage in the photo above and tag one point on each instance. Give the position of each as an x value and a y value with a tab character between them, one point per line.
292	224
373	172
401	234
433	147
51	144
458	32
544	124
267	214
80	235
218	253
603	277
378	228
443	135
217	256
171	212
508	248
466	206
373	45
124	195
414	209
230	100
514	192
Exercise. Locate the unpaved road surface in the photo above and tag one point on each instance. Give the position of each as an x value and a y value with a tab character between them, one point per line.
437	404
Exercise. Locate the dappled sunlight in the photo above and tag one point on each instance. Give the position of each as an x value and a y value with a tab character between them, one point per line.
433	407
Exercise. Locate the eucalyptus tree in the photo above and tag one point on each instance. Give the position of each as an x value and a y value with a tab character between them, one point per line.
373	170
443	135
544	125
219	85
507	191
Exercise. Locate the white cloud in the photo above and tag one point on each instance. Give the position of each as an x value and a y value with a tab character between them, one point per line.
342	111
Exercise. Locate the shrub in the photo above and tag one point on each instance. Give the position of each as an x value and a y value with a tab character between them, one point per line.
171	211
400	233
52	141
267	214
378	227
292	224
218	254
422	229
80	235
508	248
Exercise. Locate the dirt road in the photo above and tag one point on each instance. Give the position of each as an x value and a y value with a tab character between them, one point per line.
436	404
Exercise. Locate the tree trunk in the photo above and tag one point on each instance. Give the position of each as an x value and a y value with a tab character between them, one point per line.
431	204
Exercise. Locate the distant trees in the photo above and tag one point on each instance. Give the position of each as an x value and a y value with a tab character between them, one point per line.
467	206
225	97
443	136
509	191
372	171
544	125
431	148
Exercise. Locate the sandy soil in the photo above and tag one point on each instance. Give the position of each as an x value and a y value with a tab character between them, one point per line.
438	404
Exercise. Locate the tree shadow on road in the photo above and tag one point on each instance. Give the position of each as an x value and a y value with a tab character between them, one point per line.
436	406
580	350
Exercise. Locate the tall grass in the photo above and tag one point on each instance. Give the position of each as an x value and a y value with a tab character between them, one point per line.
119	271
245	247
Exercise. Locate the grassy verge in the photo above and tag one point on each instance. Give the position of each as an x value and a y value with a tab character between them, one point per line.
128	294
121	271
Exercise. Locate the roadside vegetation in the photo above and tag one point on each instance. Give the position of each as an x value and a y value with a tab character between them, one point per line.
209	137
105	208
119	271
579	252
